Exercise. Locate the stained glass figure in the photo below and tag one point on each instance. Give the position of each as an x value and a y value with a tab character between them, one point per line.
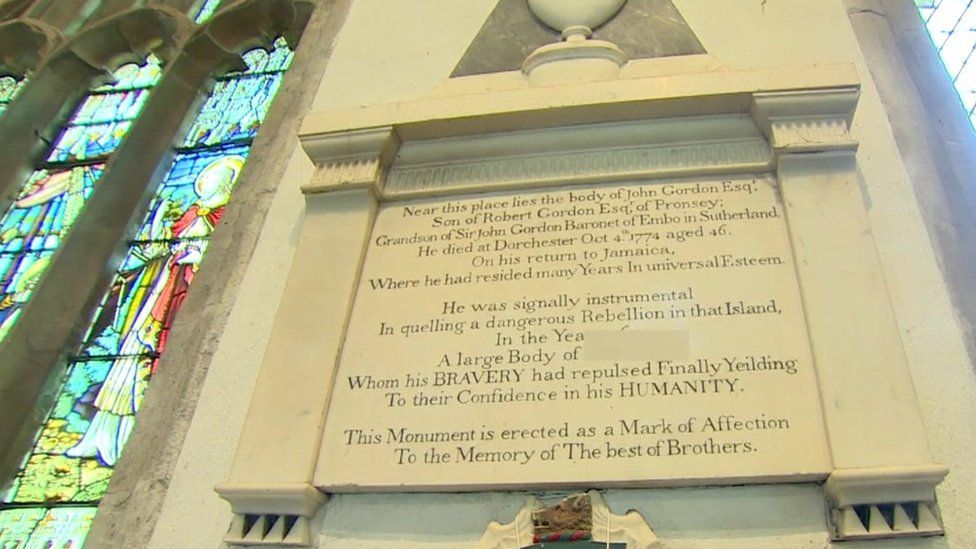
206	11
9	87
31	230
133	324
49	474
93	415
54	196
34	227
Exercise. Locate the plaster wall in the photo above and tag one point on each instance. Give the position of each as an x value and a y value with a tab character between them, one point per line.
389	50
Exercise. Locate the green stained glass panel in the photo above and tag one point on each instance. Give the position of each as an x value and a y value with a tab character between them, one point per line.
22	272
260	60
206	11
39	528
58	469
9	87
132	76
32	230
96	408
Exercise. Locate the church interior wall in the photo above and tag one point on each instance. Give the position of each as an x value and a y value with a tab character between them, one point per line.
384	51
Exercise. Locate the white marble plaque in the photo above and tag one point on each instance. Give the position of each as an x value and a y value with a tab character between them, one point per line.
638	334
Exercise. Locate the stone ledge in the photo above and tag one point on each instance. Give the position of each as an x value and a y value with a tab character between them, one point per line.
884	502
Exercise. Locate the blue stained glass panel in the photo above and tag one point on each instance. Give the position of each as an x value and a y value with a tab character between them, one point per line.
39	528
234	111
79	143
104	117
191	199
80	442
46	208
240	101
33	228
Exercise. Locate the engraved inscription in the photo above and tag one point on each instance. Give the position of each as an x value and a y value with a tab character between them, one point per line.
631	334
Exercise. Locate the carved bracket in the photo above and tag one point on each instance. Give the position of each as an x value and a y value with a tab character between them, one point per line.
807	120
351	160
884	502
271	515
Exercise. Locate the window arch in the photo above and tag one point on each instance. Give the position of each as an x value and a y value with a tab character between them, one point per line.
54	496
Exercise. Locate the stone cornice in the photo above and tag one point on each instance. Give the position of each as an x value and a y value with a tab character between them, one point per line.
807	120
476	112
350	160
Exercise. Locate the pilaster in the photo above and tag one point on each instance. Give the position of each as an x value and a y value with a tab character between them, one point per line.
270	484
874	427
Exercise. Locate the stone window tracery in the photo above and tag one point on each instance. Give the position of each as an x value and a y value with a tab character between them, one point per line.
53	499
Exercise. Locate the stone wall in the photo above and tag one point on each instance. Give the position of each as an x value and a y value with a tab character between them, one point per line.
389	50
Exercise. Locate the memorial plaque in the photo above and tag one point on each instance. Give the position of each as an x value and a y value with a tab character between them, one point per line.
620	334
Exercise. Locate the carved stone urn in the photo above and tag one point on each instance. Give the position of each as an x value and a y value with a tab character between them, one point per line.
578	57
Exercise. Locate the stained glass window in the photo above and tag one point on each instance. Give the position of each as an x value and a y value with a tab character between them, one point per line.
30	232
9	86
57	528
94	413
51	200
206	11
952	26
